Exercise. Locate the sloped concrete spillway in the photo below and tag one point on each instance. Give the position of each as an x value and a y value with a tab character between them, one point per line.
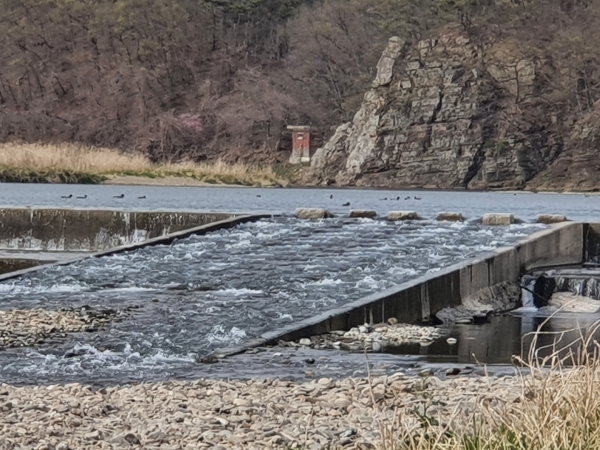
224	288
35	236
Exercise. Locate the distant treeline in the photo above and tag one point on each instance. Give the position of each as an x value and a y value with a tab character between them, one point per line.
209	79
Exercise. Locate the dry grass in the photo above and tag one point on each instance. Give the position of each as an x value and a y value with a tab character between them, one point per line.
27	160
557	408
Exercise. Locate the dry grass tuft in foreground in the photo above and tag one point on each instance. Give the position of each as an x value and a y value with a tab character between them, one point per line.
557	408
72	163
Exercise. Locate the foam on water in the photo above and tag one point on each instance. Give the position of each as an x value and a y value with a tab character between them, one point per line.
238	292
218	335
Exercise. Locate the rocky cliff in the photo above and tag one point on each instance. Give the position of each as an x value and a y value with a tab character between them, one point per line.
447	113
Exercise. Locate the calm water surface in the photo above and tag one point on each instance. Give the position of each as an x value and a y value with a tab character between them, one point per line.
472	204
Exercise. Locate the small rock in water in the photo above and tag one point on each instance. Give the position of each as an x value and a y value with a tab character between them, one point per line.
305	341
451	341
392	321
309	360
452	371
209	359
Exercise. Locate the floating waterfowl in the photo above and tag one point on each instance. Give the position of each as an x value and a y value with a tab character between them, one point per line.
67	196
119	196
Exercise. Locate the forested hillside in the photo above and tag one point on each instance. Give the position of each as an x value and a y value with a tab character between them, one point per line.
210	79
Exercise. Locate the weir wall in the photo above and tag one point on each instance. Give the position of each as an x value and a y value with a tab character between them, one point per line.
481	280
90	230
34	237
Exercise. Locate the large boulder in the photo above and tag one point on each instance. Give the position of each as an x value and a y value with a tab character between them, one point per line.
362	213
312	213
498	219
395	216
551	218
450	217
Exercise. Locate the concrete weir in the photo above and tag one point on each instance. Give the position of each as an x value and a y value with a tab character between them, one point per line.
31	237
484	281
63	230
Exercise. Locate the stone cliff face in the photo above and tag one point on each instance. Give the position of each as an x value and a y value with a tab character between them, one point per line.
445	114
578	167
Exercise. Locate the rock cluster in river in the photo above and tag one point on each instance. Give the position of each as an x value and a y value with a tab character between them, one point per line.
24	328
258	414
371	337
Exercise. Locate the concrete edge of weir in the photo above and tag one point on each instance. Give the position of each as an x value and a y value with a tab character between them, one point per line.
417	300
161	240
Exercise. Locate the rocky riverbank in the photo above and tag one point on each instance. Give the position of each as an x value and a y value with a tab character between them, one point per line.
24	328
259	414
371	337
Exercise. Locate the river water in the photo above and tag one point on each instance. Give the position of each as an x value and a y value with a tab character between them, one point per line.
231	199
216	290
220	289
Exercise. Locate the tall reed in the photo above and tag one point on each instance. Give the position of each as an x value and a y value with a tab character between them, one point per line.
558	407
28	160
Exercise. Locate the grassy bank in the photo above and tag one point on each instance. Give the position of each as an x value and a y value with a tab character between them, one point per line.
70	163
555	408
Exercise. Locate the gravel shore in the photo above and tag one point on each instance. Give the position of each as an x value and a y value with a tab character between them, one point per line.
260	414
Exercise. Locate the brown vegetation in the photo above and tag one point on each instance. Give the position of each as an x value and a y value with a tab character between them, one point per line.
554	405
220	79
79	164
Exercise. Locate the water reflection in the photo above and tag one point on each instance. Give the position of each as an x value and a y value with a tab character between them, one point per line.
505	337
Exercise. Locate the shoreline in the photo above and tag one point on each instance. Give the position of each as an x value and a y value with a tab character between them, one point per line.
185	181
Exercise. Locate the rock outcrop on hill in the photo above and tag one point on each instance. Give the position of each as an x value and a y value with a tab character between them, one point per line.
446	113
577	168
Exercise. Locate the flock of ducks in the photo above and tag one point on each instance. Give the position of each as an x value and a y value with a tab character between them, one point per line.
83	197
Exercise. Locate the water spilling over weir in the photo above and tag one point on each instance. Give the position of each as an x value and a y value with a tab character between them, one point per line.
224	288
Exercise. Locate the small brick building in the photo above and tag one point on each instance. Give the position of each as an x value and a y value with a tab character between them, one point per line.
300	144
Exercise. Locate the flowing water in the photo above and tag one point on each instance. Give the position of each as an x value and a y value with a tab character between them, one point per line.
223	288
